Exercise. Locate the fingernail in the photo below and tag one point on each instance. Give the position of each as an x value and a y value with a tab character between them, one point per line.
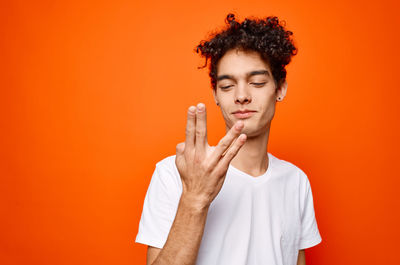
192	109
200	107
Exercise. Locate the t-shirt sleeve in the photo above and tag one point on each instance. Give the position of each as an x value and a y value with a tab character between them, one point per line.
159	208
310	235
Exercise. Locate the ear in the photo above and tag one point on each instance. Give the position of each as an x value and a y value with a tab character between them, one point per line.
281	91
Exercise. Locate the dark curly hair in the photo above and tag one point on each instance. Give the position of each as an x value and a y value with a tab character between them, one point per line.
266	36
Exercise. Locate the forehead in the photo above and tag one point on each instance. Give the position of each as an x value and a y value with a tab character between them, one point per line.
238	62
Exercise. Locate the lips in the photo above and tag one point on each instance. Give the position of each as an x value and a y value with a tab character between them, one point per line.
242	114
243	111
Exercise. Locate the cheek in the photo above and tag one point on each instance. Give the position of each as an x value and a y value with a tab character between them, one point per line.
226	113
265	100
268	110
269	113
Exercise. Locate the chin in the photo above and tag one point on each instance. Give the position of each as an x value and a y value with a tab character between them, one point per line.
249	130
254	128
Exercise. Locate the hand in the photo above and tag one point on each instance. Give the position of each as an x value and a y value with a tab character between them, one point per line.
202	167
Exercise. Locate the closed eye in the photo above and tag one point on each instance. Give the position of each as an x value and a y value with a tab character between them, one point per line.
259	84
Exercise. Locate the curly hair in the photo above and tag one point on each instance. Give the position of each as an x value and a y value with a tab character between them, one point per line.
266	36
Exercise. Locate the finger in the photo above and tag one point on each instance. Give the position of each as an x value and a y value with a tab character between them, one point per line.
231	153
201	129
190	128
180	148
229	147
226	142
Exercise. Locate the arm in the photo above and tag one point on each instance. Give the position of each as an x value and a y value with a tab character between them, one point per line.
202	169
152	253
184	238
301	260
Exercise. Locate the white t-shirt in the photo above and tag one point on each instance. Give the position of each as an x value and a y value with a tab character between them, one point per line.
252	220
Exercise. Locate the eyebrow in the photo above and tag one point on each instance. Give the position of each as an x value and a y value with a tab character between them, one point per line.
257	72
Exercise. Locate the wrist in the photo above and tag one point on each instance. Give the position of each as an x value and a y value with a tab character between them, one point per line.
195	202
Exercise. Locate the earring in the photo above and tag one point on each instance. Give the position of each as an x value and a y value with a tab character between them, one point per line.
217	104
279	98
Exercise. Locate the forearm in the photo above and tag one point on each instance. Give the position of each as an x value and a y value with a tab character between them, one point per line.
185	235
301	260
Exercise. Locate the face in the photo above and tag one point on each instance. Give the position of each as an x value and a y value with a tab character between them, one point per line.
245	82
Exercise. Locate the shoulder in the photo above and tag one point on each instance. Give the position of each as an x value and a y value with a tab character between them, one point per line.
167	163
167	171
289	170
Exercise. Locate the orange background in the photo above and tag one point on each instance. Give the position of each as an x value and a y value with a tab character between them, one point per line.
94	93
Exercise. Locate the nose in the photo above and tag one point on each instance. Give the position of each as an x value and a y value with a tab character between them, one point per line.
242	94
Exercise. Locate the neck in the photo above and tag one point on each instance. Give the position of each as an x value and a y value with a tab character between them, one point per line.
252	157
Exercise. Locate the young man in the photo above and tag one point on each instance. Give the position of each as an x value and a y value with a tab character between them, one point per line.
235	203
